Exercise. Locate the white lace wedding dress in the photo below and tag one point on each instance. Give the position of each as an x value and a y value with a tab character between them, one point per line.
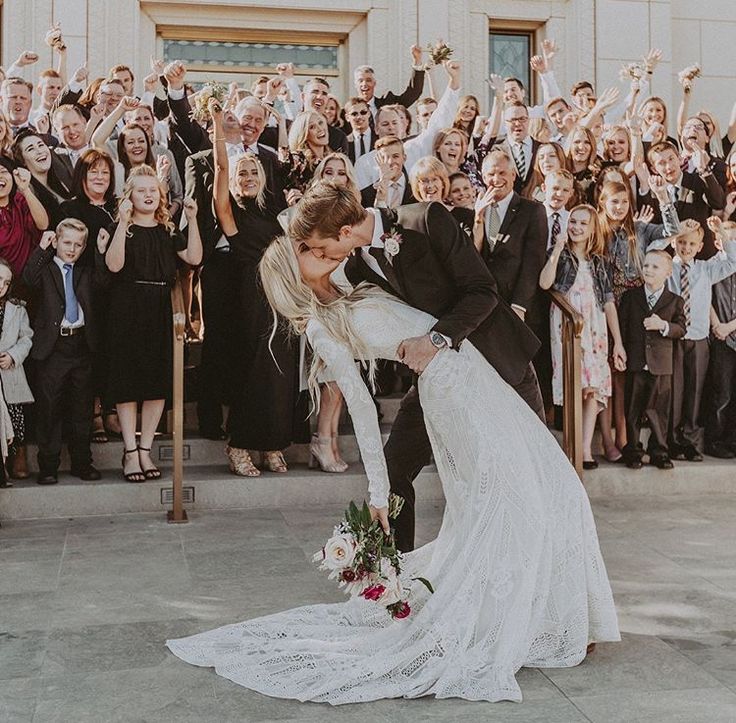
517	571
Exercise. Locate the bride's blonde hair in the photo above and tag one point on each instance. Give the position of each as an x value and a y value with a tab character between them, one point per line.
292	299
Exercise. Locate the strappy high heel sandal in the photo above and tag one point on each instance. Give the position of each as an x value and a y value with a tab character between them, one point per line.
321	454
336	452
274	461
240	462
151	472
138	476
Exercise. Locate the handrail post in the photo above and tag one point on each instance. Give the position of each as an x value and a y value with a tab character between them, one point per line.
572	409
178	513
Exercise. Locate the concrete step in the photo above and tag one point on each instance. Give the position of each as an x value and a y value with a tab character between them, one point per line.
213	487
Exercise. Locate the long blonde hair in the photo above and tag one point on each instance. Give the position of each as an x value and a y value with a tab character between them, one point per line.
161	215
250	158
293	300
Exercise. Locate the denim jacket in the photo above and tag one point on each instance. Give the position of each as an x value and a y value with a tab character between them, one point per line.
567	271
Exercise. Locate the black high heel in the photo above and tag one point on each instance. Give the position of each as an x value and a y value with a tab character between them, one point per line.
132	476
152	472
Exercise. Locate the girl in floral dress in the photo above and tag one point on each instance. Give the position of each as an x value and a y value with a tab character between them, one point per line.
577	268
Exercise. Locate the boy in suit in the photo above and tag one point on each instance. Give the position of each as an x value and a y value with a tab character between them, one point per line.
65	337
693	279
651	317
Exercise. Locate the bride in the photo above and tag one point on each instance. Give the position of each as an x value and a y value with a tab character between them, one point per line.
518	574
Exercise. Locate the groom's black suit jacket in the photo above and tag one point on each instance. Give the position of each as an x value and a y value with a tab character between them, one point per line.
439	272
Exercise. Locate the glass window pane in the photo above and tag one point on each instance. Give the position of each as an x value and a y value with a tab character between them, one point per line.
510	55
253	55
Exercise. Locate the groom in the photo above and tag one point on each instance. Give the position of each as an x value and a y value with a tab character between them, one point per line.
419	254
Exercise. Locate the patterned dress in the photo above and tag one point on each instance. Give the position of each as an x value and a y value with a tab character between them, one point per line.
595	371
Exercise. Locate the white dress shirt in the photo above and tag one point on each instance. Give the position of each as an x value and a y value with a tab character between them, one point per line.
67	278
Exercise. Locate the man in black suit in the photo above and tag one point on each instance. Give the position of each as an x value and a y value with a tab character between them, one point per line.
363	137
437	271
69	125
394	181
651	318
365	85
514	235
695	194
520	146
65	338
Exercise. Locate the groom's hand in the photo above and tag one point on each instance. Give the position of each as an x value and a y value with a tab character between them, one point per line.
417	352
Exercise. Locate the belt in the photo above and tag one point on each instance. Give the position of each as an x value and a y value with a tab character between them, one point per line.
71	330
152	283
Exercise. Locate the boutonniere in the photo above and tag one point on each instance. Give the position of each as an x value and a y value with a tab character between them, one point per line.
499	238
685	195
391	245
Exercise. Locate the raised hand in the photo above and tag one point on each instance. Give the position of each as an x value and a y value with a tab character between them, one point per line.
480	124
48	238
416	55
701	159
730	204
103	238
157	66
652	59
22	178
538	64
293	196
496	83
190	209
549	50
175	73
97	113
645	214
274	87
125	210
285	70
81	73
658	186
128	102
163	169
715	225
214	108
453	71
27	57
608	98
150	82
42	124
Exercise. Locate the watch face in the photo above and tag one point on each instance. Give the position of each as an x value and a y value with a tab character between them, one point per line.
437	339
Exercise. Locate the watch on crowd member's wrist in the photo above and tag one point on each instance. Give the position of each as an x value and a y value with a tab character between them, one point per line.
437	339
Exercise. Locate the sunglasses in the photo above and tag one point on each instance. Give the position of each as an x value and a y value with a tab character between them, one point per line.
358	112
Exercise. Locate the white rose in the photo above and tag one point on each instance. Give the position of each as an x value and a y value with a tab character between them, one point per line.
392	246
339	552
394	589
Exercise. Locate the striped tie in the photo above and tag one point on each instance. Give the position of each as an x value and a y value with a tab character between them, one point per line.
520	159
556	229
493	225
685	292
651	300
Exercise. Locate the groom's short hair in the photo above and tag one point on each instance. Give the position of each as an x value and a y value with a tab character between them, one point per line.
323	210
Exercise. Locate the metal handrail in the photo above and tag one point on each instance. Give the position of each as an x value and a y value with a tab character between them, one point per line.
179	316
572	406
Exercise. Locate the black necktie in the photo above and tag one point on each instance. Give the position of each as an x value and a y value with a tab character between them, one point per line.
362	144
556	228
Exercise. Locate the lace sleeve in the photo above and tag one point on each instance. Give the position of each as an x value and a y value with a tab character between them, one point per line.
341	367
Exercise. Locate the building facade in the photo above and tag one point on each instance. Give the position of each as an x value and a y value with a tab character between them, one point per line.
231	40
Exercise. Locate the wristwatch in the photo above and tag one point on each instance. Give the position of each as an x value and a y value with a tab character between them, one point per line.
437	339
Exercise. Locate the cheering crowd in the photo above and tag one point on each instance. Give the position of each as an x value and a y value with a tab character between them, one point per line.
111	188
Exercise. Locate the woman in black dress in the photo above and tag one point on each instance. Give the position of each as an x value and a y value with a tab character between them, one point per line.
264	414
142	256
95	205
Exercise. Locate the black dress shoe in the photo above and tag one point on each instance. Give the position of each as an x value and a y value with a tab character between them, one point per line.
590	464
88	473
662	461
720	450
634	463
47	478
677	452
692	454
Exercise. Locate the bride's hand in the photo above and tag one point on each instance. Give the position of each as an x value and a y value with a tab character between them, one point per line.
380	514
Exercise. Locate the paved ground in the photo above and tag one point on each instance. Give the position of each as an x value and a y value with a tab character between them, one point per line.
86	604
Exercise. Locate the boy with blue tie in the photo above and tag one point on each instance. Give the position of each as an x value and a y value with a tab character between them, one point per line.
65	337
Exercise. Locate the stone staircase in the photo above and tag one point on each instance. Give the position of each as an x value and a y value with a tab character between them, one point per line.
208	484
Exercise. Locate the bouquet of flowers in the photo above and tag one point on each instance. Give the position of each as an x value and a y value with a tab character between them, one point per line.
632	71
438	53
364	559
54	38
218	91
687	75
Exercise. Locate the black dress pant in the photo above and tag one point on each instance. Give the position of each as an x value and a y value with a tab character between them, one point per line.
721	411
64	398
647	395
220	281
408	449
690	371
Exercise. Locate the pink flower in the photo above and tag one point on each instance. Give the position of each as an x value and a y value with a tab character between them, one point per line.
401	610
373	592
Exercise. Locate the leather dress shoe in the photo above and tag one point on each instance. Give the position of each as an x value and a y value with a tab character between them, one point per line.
662	461
720	450
634	463
47	478
677	452
590	464
88	473
692	454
